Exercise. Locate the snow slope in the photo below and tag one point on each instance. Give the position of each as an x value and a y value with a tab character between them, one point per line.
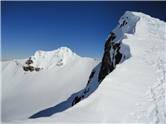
24	92
135	90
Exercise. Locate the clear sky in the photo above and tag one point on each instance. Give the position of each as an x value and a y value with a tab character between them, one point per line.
81	26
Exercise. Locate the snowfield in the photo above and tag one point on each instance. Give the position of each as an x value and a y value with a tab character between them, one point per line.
24	93
133	93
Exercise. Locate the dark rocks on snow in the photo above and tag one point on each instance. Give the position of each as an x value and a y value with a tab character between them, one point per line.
29	61
76	100
108	63
25	68
37	69
91	76
108	43
124	23
29	67
86	90
118	55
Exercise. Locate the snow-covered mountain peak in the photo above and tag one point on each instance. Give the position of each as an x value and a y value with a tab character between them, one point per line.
46	59
62	51
127	22
141	24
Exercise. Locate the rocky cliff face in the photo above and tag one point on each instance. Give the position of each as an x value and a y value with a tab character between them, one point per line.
115	51
107	64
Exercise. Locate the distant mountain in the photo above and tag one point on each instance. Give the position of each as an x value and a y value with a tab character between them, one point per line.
48	59
44	79
127	86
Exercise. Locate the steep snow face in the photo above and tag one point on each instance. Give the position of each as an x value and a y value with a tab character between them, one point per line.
135	90
24	93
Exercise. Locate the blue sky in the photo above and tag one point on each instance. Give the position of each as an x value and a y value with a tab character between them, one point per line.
81	26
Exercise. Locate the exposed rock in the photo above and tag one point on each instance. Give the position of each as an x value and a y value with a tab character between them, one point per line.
118	55
76	100
91	76
29	67
29	61
107	64
37	69
60	62
111	57
124	23
25	68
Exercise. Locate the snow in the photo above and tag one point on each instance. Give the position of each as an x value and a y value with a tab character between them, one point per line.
46	59
133	93
25	93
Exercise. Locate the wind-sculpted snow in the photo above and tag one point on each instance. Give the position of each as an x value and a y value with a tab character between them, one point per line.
115	52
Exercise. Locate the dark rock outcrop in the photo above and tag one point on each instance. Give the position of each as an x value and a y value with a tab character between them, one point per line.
25	68
29	61
91	76
29	67
37	69
76	100
111	57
